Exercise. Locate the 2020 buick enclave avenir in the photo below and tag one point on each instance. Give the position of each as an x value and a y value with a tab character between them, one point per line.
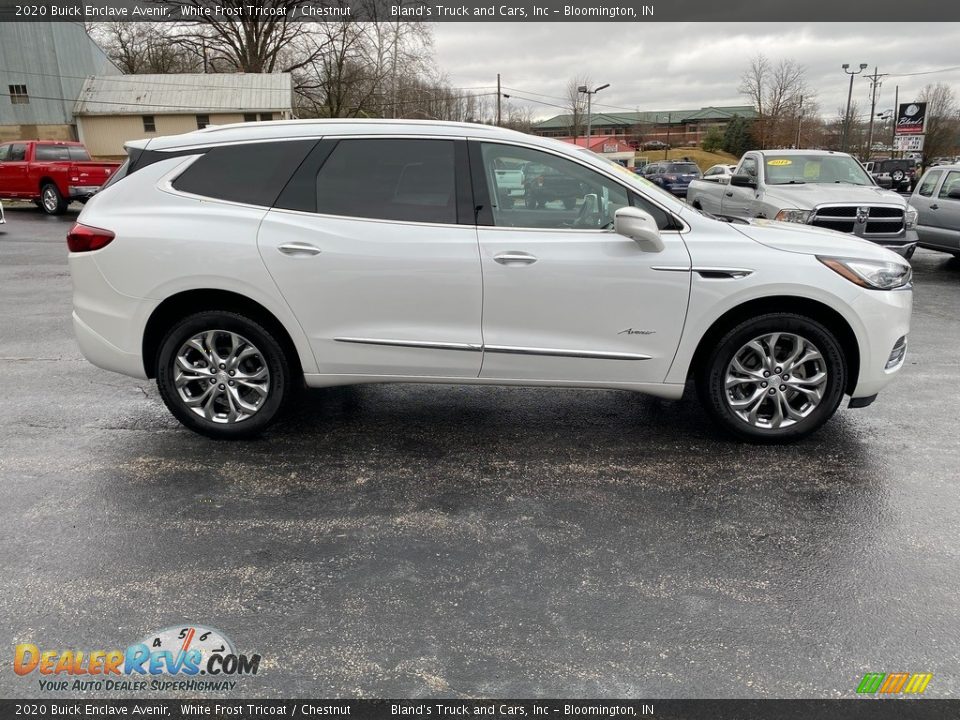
235	263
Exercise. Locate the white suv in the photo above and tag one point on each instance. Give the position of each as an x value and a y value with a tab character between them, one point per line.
235	263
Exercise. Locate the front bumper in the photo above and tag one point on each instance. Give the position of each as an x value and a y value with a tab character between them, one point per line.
903	246
885	318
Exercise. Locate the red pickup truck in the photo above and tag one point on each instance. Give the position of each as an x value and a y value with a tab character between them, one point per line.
50	173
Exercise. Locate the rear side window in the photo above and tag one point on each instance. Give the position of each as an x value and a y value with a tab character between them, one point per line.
18	153
253	174
47	153
4	152
387	179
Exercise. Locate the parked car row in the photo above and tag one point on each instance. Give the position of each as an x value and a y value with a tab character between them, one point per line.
811	187
896	175
50	173
671	175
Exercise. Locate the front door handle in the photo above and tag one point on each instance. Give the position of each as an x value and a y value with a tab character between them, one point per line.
299	248
729	194
515	258
934	207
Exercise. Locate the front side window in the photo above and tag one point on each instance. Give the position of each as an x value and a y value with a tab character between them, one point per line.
929	182
390	179
4	152
749	167
18	152
549	192
950	184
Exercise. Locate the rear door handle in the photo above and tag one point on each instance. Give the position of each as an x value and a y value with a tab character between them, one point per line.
515	258
934	207
299	248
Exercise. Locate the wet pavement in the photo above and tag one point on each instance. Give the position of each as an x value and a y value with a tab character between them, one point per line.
464	541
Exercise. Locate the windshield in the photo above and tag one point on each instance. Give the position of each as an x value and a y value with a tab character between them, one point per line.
684	168
803	169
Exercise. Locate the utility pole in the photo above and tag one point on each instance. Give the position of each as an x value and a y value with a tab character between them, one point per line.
893	122
874	86
799	121
847	118
590	93
498	99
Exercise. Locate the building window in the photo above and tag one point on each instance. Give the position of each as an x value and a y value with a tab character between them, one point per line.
266	117
202	121
149	124
249	117
18	95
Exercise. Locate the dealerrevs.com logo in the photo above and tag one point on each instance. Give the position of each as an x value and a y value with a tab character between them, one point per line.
192	658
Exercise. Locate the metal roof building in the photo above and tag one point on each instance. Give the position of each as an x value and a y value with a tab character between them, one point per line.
110	110
42	68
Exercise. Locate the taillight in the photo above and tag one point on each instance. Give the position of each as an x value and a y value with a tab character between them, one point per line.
83	238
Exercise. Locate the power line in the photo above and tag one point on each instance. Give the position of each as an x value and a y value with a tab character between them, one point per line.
926	72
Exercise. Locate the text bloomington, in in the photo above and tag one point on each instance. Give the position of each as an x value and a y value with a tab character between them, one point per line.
468	11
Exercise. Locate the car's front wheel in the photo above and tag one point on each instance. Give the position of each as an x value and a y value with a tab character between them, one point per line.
775	378
223	375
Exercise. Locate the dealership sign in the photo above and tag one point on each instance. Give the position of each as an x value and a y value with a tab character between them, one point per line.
909	143
912	118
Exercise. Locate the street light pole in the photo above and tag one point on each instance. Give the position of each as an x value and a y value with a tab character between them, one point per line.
590	93
846	119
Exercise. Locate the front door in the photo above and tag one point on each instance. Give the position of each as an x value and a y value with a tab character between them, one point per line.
564	297
13	170
367	251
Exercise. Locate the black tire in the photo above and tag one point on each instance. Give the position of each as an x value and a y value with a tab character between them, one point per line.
270	352
711	377
51	201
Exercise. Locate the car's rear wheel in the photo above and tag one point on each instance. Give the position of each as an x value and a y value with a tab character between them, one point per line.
51	201
775	378
223	375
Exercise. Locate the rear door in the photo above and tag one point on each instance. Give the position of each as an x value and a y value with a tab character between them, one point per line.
944	212
373	245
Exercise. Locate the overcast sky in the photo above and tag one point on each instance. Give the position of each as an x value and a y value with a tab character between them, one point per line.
676	66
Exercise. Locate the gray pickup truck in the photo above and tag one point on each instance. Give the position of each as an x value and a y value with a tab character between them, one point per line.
814	187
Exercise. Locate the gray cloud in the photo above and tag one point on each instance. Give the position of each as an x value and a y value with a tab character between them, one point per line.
688	65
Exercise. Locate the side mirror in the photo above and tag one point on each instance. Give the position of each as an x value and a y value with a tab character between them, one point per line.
954	193
639	226
743	180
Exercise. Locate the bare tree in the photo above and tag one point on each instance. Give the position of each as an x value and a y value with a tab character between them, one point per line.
775	90
144	48
942	121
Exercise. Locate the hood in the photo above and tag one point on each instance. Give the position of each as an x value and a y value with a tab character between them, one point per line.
806	197
809	240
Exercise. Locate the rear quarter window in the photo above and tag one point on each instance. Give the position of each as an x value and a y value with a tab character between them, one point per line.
252	174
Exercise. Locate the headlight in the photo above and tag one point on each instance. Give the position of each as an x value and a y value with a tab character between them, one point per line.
794	216
873	274
910	217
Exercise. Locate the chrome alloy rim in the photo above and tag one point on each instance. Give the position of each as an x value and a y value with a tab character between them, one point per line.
49	199
775	380
221	376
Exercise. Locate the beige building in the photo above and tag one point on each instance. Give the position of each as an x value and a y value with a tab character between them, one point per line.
112	110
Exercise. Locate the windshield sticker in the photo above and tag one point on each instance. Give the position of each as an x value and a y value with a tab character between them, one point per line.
779	162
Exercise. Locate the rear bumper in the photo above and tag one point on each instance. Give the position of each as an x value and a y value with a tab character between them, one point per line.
79	192
102	353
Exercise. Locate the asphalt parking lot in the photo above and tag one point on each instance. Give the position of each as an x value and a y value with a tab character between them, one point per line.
402	541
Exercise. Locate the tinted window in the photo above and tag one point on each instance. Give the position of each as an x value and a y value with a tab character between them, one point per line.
930	181
408	180
749	167
253	174
18	152
683	168
4	152
47	153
